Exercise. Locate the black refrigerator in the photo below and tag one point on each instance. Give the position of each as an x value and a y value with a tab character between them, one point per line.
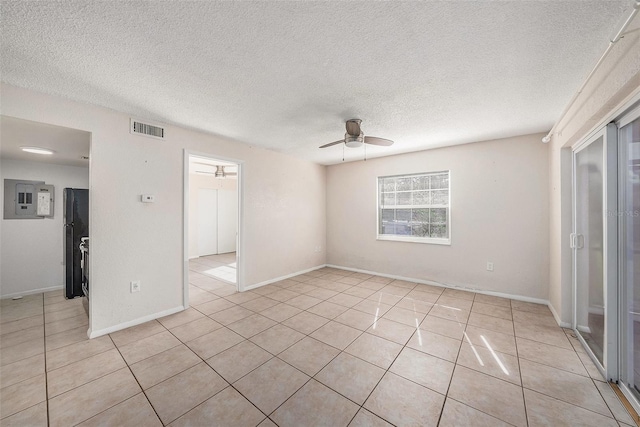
76	226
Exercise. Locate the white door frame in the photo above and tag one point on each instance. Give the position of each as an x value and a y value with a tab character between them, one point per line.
240	265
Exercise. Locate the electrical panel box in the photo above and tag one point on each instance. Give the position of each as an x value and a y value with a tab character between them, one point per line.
27	199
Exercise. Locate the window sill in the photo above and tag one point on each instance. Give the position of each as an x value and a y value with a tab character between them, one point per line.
409	239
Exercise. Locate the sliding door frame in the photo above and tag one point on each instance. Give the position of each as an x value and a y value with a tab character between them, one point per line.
632	114
609	133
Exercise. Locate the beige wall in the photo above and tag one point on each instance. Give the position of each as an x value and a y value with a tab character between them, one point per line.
615	83
499	200
284	202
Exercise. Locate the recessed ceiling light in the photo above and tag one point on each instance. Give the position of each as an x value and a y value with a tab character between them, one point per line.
37	150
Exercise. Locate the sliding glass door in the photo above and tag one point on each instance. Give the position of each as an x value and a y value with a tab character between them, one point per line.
588	243
629	251
594	276
606	244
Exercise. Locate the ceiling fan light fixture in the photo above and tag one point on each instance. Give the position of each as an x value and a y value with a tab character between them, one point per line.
353	141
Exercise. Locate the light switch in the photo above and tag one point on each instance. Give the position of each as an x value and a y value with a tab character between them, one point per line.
148	198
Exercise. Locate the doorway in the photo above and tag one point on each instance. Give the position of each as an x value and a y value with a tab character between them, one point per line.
212	223
45	171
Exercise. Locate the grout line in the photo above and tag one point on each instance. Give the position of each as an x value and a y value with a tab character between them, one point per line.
613	416
348	308
46	373
584	365
361	333
276	356
84	328
483	412
360	406
573	404
125	400
404	347
524	400
330	320
217	373
136	379
455	364
588	377
81	360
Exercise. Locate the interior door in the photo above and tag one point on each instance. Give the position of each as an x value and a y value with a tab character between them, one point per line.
227	220
207	222
593	242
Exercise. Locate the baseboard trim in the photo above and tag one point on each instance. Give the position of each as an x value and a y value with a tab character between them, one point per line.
277	279
555	316
125	325
448	286
32	291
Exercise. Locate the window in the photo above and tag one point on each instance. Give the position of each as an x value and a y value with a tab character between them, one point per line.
414	208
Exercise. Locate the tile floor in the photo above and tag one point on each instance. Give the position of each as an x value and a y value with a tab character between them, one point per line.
329	347
221	267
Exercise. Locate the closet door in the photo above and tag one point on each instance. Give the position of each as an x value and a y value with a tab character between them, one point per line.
227	220
207	222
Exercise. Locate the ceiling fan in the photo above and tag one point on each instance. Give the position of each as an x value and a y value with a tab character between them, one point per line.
221	173
355	138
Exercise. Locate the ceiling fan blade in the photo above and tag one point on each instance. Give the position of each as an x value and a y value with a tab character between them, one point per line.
373	140
353	127
332	143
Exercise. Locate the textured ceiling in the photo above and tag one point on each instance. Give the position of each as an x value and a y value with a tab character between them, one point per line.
285	75
69	145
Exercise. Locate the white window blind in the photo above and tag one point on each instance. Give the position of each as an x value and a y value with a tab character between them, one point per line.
414	207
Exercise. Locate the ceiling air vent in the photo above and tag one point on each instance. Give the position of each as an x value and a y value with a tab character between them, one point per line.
146	129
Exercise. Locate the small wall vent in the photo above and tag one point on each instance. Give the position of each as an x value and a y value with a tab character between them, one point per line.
137	127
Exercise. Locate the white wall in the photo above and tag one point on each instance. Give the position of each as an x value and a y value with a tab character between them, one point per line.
499	213
615	83
31	250
284	208
196	182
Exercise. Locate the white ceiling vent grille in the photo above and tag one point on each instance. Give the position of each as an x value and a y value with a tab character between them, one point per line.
137	127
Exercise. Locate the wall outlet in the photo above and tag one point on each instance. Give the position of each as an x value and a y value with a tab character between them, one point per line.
135	286
489	266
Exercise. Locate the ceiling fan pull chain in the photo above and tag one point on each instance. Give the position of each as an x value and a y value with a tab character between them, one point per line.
343	152
365	152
